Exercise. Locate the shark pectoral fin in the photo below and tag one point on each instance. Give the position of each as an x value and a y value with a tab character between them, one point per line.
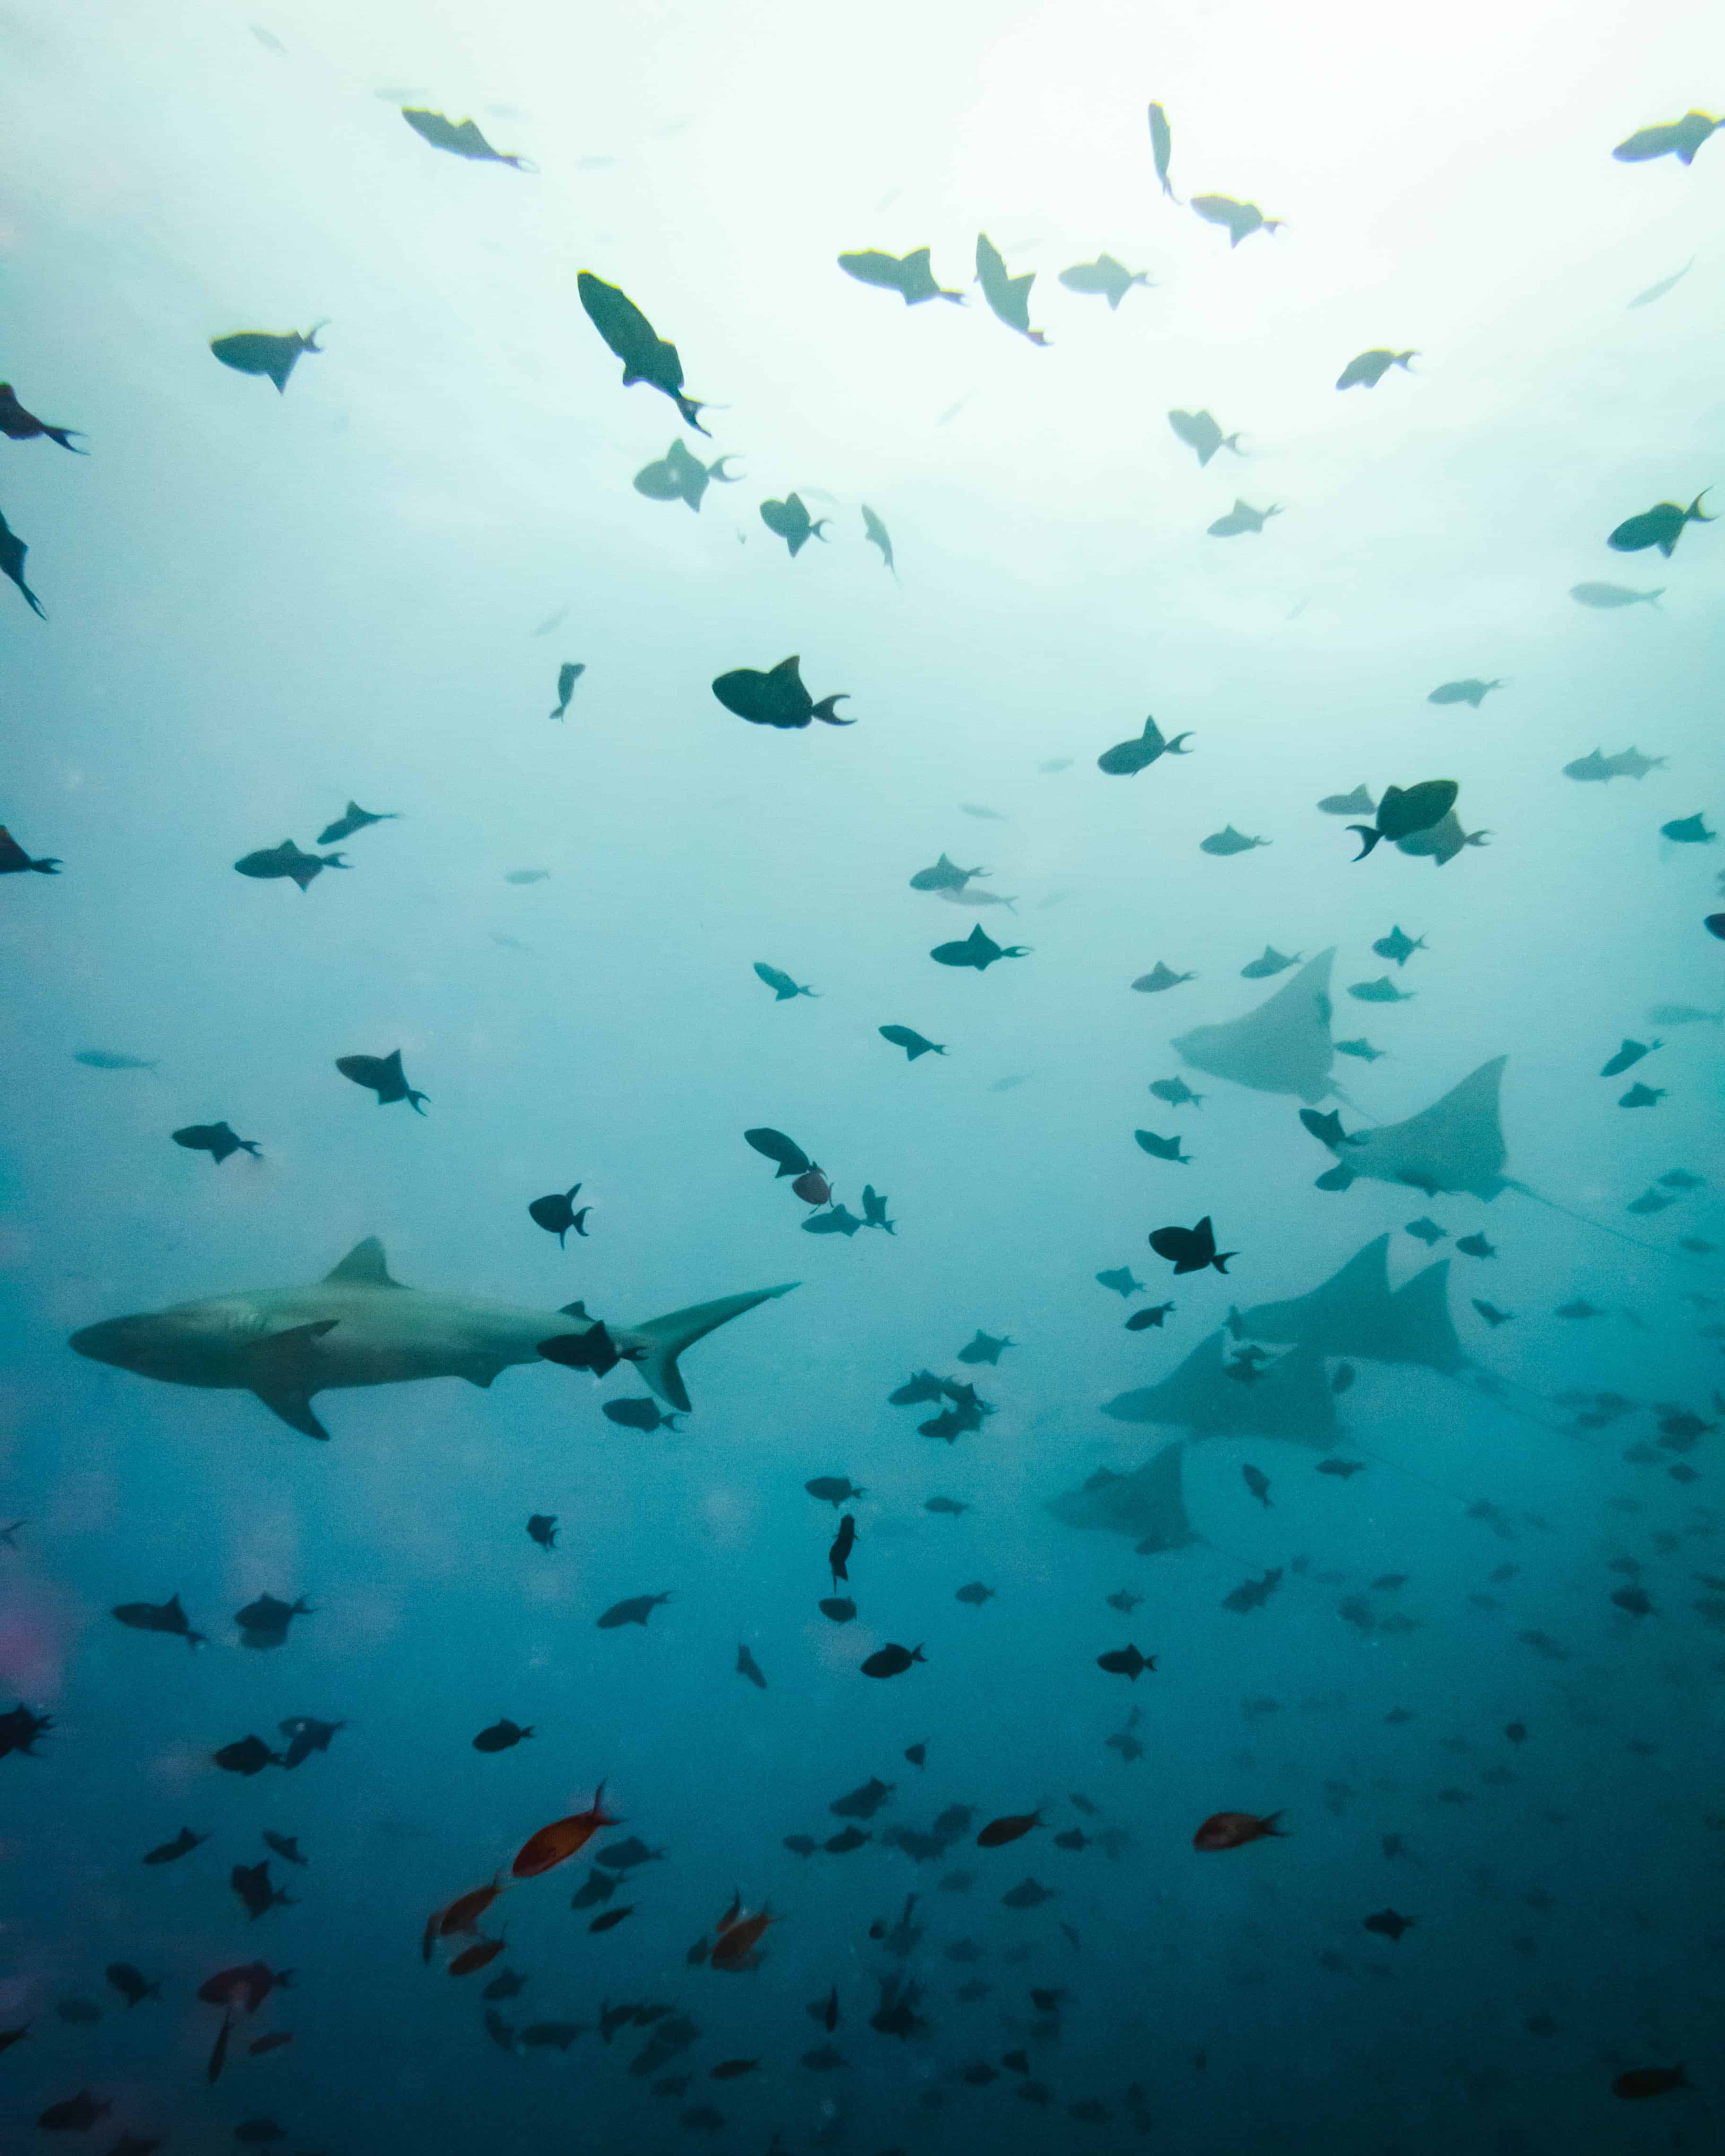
480	1370
293	1408
664	1338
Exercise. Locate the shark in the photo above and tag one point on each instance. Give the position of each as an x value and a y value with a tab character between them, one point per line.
358	1326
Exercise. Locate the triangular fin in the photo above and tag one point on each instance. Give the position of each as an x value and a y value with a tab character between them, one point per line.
293	1409
364	1266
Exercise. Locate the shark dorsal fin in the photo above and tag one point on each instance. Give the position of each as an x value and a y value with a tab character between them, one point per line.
364	1266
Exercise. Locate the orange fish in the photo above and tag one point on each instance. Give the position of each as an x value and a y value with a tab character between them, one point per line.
1233	1830
475	1956
998	1832
552	1844
733	1951
464	1913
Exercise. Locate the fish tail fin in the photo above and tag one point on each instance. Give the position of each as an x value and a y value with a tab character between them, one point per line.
64	435
826	708
1369	836
667	1337
414	1099
1267	1825
691	408
1692	514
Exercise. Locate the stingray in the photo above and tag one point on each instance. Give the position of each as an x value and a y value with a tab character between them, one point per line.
1356	1313
1283	1046
1148	1504
1291	1398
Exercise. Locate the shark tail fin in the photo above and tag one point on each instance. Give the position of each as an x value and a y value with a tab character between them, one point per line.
667	1336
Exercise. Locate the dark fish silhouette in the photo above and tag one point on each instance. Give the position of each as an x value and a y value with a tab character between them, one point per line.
951	1507
1120	1281
1399	946
13	551
1471	691
1361	1048
1175	1091
1688	831
1228	840
1200	432
382	1076
249	1756
1327	1129
542	1527
1160	977
1388	1924
1141	1321
1631	1052
1341	1469
1475	1246
257	352
285	1845
1493	1316
984	1347
776	698
646	356
789	520
976	950
131	1983
783	986
15	861
461	139
1126	1662
1366	369
747	1667
1105	277
169	1852
1601	769
594	1350
874	1207
356	818
776	1146
1442	841
251	1883
909	275
639	1415
912	1042
1009	298
975	1595
837	1221
1404	811
1359	802
502	1736
636	1611
876	532
1128	757
556	1216
1253	1594
892	1660
833	1490
944	875
1642	1096
838	1607
270	863
568	674
307	1734
264	1623
158	1617
1259	1485
680	475
1162	148
839	1555
1191	1249
215	1139
1161	1149
18	425
1239	219
74	2114
1242	517
1660	527
1641	2081
1669	138
1606	596
1272	963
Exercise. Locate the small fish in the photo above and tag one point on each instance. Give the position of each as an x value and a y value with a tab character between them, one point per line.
983	815
646	356
783	987
271	863
1253	1594
556	1214
355	819
382	1076
975	1595
1228	840
636	1611
1684	1014
169	1852
1688	831
875	533
1669	138
131	1983
258	1896
1162	1148
1361	1048
599	1887
527	876
1475	1246
1190	1250
1234	1829
1650	1202
256	2049
1604	596
554	2035
1239	219
216	1139
1028	1894
1242	517
1202	433
461	139
839	1555
1259	1485
1388	1924
1642	1096
158	1617
777	698
553	1844
611	1918
1470	691
1660	527
104	1059
1142	1320
249	1756
1664	284
789	520
264	1624
833	1490
680	475
1176	1092
1126	1662
1633	1601
1341	1469
985	1349
1427	1231
892	1660
847	1839
1383	990
1105	277
1121	1281
285	1845
502	1736
1367	369
909	275
944	875
1359	802
1641	2081
838	1220
542	1527
18	425
1398	946
258	352
1162	149
949	1506
1159	979
1009	298
978	951
777	1146
1404	811
1127	758
74	2114
1272	963
568	674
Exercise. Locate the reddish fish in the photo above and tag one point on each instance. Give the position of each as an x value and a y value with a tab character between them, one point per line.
553	1844
464	1912
475	1956
733	1951
1234	1829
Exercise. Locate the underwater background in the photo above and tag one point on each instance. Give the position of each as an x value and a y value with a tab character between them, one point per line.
261	607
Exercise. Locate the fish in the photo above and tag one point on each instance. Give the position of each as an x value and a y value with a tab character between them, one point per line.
1121	1281
1684	1014
1253	1594
1658	292
1361	1048
646	356
216	1139
909	275
74	2114
1028	1894
1641	2081
1341	1469
1366	369
789	520
783	987
1009	298
169	1852
864	1802
975	1595
1404	811
635	1611
833	1490
1383	990
381	1075
1388	1924
501	1736
680	475
1688	831
892	1660
949	1505
527	876
1359	802
1202	433
1642	1096
1272	963
838	1220
1669	138
1162	148
1475	1246
252	1883
1126	1662
285	1845
977	899
978	951
1604	596
983	814
1660	527
839	1555
273	863
1399	946
264	1624
777	1146
1234	1829
1159	979
1176	1092
554	1844
1128	757
1259	1485
875	532
248	1755
1631	1052
1105	277
1190	1250
912	1042
1228	840
611	1918
568	674
105	1059
944	875
1141	1321
777	698
1242	517
1162	1148
1679	1178
461	139
13	551
1239	219
556	1214
18	425
1012	1827
131	1983
1470	691
984	1347
260	351
846	1839
158	1617
354	818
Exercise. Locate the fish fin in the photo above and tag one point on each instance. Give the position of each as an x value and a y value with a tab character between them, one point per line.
666	1337
365	1265
482	1370
293	1408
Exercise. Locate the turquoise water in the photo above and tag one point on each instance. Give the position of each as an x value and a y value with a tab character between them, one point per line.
1475	1676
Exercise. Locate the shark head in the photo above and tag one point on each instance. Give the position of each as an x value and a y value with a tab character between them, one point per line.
195	1344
